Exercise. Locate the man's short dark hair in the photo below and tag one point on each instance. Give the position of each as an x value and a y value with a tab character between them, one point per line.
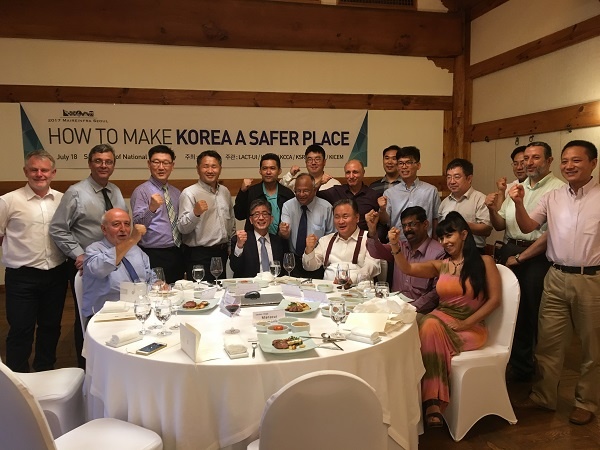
516	151
416	211
315	148
347	201
211	154
270	157
464	164
590	148
101	148
391	147
409	152
260	202
161	149
547	148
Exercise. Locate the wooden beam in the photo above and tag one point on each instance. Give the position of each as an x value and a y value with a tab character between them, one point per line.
482	7
568	118
238	24
572	35
71	94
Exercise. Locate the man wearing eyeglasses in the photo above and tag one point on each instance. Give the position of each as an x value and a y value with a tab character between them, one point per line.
77	220
315	159
254	250
519	169
155	204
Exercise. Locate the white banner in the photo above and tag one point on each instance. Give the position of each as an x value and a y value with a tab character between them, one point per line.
241	135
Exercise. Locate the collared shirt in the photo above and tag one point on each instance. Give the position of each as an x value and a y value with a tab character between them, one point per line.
238	251
216	225
76	222
471	206
421	194
24	222
319	218
573	224
158	225
381	185
289	181
102	277
366	199
421	290
532	198
275	212
342	252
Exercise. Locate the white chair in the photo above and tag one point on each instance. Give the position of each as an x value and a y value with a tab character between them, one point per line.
325	409
23	425
477	377
78	287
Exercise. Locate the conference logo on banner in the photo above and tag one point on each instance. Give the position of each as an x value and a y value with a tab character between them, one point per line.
241	135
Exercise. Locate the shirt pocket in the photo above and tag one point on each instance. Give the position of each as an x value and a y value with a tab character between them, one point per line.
591	225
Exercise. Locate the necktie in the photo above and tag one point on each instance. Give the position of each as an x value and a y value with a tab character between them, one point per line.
107	203
264	255
172	216
302	232
130	270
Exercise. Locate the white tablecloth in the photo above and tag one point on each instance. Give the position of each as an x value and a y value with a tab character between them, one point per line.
218	403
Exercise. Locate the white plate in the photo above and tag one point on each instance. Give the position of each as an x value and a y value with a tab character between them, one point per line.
211	305
266	345
314	306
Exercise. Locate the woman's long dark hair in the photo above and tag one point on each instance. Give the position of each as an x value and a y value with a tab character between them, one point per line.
473	267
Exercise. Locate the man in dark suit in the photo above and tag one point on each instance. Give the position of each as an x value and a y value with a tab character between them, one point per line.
253	251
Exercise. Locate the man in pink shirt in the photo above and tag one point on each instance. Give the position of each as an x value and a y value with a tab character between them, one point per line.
571	300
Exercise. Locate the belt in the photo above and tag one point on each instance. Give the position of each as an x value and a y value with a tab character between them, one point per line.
519	242
589	270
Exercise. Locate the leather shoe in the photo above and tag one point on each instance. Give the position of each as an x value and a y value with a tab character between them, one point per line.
580	416
528	403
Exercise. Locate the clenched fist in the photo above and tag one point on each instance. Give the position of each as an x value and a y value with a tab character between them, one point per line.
155	201
137	232
242	237
284	230
246	183
382	202
311	243
294	170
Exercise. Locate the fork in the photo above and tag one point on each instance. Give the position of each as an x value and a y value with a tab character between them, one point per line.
254	343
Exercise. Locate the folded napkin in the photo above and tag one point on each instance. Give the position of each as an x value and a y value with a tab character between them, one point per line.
394	305
123	338
114	307
235	347
184	285
363	335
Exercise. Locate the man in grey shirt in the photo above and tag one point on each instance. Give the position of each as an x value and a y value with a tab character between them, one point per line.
76	222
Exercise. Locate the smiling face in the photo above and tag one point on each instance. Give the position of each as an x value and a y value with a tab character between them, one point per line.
116	226
354	173
304	190
576	166
537	165
261	218
161	165
315	164
390	163
518	167
269	171
414	230
408	169
345	220
454	242
457	182
101	165
39	172
209	170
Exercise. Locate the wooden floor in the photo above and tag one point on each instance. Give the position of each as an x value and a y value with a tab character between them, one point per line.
535	429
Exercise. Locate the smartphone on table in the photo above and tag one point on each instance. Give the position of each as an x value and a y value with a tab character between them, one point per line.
151	348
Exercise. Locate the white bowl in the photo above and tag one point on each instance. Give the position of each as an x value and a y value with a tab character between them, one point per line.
262	326
274	329
300	326
326	287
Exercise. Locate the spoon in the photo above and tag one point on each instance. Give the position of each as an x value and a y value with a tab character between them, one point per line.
328	339
254	345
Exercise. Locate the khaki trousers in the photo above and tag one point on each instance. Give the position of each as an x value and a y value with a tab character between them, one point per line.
570	302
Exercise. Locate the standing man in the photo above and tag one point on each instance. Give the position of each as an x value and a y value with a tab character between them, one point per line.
254	250
315	165
409	192
466	200
518	166
417	247
155	204
206	216
36	270
570	301
530	273
270	190
390	167
76	223
302	216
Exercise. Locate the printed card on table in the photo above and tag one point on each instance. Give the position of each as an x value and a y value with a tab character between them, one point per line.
290	290
267	316
243	288
315	296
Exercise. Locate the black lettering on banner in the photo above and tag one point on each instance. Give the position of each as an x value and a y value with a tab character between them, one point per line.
240	139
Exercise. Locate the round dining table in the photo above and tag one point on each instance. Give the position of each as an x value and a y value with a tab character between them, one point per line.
219	403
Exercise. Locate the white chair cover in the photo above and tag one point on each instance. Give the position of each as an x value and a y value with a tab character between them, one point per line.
78	287
325	409
477	377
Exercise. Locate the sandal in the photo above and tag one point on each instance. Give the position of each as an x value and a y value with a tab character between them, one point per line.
433	419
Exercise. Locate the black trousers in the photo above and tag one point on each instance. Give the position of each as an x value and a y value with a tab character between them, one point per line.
203	255
34	297
170	259
77	333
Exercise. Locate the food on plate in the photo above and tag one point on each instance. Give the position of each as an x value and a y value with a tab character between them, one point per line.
193	305
291	343
297	307
277	327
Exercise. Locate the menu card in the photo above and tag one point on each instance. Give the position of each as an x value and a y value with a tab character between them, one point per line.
198	350
315	296
267	316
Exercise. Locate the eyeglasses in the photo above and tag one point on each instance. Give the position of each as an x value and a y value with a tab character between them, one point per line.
256	215
157	163
103	162
518	163
412	224
406	163
314	160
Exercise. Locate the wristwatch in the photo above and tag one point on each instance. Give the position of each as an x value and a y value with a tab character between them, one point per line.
517	258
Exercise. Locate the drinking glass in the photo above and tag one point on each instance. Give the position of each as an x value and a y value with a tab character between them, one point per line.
275	268
198	274
289	263
343	274
232	305
176	301
142	309
364	284
382	289
162	311
155	284
216	268
337	312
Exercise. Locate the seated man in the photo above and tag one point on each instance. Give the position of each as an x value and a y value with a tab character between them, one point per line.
254	250
114	259
347	245
417	247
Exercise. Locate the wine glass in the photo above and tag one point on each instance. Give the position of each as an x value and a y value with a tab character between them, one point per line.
364	284
142	309
162	311
216	268
337	312
275	268
176	301
232	305
382	289
155	284
289	262
198	273
343	274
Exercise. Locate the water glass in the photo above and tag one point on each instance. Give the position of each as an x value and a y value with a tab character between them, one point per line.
337	312
382	289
